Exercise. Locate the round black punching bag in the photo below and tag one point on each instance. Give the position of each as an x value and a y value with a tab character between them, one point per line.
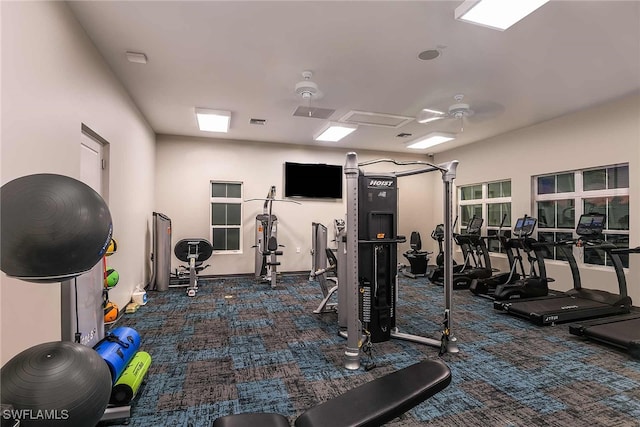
53	228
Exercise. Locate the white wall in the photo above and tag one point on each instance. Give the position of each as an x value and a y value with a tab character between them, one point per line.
185	165
601	136
53	80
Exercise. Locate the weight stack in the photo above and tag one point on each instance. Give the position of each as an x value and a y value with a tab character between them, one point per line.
377	253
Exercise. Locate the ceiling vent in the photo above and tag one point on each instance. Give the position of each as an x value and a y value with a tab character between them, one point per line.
257	121
366	118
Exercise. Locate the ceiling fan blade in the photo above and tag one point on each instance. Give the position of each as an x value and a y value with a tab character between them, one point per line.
427	115
486	111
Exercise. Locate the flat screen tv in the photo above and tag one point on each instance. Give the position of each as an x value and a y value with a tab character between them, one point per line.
312	180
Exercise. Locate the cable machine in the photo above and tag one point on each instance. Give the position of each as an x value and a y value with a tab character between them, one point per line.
266	256
371	255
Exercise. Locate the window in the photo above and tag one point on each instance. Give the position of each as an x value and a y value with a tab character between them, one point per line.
561	198
491	201
226	216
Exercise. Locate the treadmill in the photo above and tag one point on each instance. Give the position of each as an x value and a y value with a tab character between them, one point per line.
618	331
578	303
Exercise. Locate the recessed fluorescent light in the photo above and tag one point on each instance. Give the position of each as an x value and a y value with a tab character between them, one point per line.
496	14
434	138
213	120
334	131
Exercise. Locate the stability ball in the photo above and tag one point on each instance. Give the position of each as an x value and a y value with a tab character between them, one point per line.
57	384
53	228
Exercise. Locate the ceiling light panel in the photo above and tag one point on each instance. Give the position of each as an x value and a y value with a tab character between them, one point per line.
213	120
496	14
334	131
430	140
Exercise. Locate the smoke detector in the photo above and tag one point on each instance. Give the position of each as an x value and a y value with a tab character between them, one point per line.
306	88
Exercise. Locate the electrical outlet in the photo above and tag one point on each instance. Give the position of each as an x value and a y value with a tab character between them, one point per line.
297	250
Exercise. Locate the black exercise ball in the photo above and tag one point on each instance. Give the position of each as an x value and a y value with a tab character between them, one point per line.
57	384
53	228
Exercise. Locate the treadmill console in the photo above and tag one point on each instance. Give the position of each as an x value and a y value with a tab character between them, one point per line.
590	225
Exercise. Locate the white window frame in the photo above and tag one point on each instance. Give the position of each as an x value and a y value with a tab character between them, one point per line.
578	196
484	202
222	200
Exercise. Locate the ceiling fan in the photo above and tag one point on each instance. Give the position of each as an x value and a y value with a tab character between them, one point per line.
309	91
457	111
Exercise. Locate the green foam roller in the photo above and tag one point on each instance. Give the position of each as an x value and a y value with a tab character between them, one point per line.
129	382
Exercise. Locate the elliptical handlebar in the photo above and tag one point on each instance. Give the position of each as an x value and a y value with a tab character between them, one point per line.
635	250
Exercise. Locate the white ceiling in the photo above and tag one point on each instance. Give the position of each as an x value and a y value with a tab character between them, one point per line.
247	56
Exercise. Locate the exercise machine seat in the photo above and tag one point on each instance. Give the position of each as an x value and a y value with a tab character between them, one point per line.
272	246
252	420
370	404
417	258
184	249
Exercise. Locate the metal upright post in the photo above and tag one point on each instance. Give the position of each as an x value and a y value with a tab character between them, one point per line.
449	342
352	353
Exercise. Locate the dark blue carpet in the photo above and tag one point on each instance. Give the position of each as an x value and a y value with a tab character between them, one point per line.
240	346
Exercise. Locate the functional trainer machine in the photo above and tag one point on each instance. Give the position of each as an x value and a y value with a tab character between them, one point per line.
267	252
194	252
578	303
371	248
618	331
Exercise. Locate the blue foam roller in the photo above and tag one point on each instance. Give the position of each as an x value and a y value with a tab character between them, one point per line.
117	348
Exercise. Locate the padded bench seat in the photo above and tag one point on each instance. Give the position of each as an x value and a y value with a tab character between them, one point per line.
371	404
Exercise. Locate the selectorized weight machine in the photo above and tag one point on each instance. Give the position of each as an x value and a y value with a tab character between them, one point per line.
267	252
371	289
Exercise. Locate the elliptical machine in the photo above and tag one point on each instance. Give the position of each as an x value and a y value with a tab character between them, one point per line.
517	283
476	265
486	287
477	262
536	283
436	272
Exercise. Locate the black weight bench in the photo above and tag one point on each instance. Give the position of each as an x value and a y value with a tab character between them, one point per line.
371	404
